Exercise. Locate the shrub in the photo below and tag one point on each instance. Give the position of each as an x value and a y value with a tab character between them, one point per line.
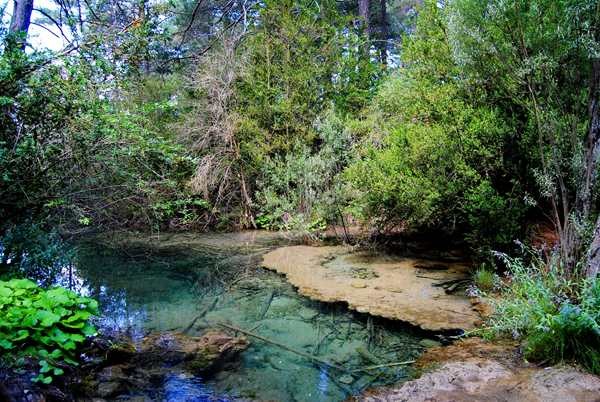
301	190
46	325
485	279
433	155
559	319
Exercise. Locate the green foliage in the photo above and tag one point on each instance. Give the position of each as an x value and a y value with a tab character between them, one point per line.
47	325
485	279
302	190
187	211
89	160
433	151
296	66
559	319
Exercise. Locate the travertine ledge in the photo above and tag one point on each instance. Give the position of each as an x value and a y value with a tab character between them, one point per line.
390	287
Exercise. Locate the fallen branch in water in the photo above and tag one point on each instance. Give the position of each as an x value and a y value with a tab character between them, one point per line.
384	366
289	349
266	305
201	315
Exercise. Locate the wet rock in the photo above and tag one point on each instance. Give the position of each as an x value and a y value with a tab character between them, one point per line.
346	379
475	370
394	289
110	388
120	351
156	357
111	381
200	355
489	380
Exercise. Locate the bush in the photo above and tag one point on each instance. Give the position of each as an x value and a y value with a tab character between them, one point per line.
485	279
433	155
46	325
558	319
301	190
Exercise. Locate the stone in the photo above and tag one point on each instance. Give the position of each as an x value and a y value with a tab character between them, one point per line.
110	388
473	369
346	379
395	290
491	380
120	351
200	355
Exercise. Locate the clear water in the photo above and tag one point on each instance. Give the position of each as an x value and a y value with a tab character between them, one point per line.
165	285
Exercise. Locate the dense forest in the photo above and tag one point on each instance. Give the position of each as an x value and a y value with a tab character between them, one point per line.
471	120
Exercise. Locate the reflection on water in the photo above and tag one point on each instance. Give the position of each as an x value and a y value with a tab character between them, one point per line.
170	285
183	387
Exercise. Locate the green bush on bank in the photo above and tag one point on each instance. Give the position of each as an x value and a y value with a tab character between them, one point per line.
46	325
558	318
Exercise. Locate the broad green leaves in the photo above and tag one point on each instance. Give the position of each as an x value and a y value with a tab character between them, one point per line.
34	321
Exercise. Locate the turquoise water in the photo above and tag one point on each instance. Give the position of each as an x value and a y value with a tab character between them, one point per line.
166	284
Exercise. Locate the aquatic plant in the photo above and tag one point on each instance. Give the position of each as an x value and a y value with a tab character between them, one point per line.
45	325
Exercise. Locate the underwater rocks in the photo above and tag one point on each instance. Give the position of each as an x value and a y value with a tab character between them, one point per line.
475	370
134	368
198	355
405	289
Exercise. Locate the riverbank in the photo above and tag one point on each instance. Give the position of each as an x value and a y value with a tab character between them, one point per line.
411	290
475	370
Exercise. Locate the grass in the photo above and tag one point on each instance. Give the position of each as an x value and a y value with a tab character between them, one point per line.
557	318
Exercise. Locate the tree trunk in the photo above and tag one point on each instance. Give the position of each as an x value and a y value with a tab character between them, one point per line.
20	20
591	159
364	14
383	29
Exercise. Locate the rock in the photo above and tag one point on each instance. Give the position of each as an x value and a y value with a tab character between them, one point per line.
110	389
429	343
139	398
490	380
111	381
475	370
200	355
394	288
346	379
215	350
120	351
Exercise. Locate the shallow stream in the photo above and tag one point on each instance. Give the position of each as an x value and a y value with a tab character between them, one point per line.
190	282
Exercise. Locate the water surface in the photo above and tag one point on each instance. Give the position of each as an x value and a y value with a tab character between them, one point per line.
164	284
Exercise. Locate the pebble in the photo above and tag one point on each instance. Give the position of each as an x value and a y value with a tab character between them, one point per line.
346	379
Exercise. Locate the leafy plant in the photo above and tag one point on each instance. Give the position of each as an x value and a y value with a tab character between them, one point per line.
485	279
302	190
558	318
46	325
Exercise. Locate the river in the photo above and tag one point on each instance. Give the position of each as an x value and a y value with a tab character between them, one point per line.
164	283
